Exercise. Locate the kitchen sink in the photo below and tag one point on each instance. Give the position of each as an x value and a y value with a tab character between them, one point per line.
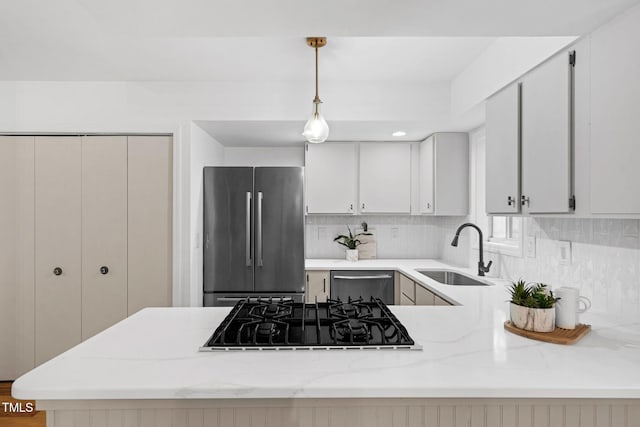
447	277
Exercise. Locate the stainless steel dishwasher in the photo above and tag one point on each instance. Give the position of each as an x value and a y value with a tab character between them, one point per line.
362	283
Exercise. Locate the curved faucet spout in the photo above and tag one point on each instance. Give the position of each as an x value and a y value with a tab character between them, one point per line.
481	267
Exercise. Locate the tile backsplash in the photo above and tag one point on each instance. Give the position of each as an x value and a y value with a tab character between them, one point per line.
397	236
604	264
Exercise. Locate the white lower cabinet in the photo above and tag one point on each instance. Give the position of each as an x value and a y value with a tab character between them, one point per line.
88	233
424	296
317	286
412	293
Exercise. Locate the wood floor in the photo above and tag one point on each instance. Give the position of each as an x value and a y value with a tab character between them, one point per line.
34	419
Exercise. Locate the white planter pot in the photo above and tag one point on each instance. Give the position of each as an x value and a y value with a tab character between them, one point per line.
352	255
533	319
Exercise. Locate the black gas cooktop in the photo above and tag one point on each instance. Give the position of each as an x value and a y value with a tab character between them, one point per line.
279	324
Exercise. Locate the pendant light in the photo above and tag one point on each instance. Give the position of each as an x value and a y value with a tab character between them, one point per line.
316	130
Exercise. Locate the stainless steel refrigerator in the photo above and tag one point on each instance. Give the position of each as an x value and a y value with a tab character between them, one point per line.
253	233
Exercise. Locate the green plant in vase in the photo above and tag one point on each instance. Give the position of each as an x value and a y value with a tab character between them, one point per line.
532	306
351	242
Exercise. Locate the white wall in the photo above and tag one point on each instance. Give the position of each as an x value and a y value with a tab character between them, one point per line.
204	151
501	63
268	156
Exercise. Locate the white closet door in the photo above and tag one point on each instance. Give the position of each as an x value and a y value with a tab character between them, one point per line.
546	137
149	223
330	178
16	256
104	232
58	245
503	151
385	177
427	175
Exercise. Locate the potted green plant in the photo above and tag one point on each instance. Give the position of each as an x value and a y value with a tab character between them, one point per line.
532	306
351	242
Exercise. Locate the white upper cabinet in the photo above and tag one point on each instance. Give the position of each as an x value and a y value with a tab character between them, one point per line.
615	90
547	106
427	172
385	177
503	151
444	174
330	177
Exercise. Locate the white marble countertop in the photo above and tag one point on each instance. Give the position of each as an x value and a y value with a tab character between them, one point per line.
466	354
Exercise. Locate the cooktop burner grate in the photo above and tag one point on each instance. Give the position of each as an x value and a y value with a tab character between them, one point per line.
279	324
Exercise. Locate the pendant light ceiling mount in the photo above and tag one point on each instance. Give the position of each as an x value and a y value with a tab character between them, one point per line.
316	130
316	42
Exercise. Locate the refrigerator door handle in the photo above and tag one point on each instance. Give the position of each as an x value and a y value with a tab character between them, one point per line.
259	230
248	229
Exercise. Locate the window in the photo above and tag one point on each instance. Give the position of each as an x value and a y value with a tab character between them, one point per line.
505	229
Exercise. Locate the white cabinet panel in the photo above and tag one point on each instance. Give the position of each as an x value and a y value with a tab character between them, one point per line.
104	232
503	151
318	283
427	178
615	127
149	222
330	178
385	178
57	245
16	256
444	174
546	137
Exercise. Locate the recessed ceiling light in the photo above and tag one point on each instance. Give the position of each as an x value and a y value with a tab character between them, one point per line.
399	133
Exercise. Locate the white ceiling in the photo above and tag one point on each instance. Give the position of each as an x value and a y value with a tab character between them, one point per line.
270	133
374	44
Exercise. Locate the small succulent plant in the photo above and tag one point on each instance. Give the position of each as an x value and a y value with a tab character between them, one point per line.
532	295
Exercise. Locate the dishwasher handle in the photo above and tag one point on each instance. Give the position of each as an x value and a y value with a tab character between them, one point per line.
377	277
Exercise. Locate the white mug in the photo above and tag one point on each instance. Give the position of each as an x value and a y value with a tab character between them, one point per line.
569	306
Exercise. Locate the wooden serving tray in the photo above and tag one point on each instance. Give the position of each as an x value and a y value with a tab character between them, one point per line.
558	336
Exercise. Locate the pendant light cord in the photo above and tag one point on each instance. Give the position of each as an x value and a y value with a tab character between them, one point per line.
317	98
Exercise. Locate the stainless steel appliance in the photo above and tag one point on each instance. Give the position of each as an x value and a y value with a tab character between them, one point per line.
362	284
276	324
253	234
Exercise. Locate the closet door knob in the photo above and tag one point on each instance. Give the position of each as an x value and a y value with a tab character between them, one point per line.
57	271
104	269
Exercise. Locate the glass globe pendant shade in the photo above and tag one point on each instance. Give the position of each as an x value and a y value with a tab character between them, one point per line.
316	130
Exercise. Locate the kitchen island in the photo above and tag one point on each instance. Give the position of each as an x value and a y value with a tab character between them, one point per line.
147	370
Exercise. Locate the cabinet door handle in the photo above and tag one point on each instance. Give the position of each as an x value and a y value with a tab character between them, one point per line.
524	199
104	270
428	205
57	271
324	285
351	207
511	201
363	206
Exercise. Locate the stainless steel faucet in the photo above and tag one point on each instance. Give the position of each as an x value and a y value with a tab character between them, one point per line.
481	267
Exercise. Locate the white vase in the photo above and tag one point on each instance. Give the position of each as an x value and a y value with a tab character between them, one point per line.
533	319
352	255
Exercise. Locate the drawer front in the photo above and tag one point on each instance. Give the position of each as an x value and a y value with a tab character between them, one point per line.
408	287
405	301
